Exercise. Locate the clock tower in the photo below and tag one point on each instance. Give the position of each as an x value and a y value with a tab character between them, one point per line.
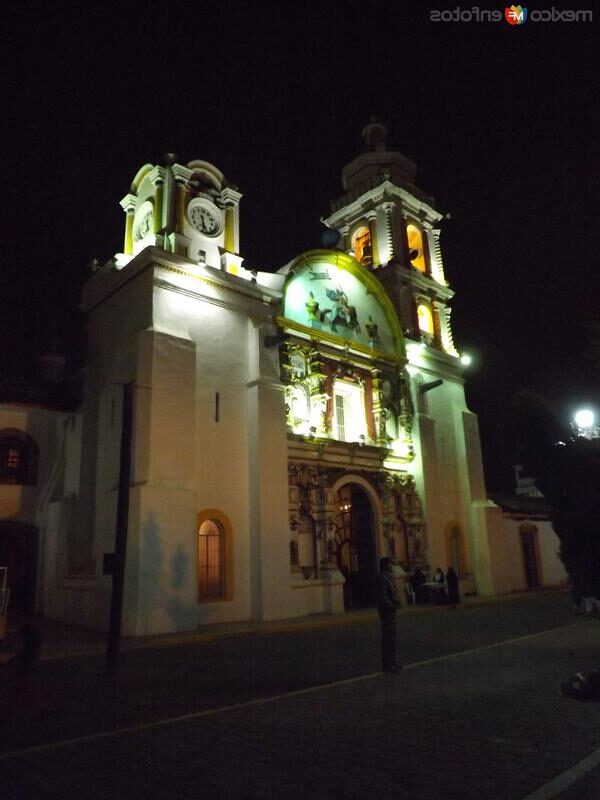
190	210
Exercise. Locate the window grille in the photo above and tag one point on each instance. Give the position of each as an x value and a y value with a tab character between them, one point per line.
339	416
211	560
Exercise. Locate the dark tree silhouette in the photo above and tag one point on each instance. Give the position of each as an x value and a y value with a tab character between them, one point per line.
566	469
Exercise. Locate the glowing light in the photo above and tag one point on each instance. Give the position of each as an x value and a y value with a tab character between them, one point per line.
584	418
466	359
361	244
425	318
348	412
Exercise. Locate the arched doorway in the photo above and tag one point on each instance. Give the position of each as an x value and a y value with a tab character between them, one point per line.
18	553
530	550
355	546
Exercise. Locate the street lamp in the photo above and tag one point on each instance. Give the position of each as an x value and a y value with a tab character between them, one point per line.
585	419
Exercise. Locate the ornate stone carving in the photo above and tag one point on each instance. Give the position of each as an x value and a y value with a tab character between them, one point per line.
402	524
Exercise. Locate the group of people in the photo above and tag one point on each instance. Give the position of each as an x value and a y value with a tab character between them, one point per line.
443	589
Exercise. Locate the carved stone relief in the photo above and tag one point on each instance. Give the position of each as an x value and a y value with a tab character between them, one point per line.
311	496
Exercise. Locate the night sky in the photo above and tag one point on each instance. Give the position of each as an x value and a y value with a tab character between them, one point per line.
502	122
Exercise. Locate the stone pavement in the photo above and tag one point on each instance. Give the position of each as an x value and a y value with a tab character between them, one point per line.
476	713
62	639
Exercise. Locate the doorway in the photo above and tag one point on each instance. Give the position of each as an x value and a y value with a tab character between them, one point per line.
355	546
529	547
18	553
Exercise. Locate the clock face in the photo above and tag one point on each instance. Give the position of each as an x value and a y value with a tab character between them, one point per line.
205	219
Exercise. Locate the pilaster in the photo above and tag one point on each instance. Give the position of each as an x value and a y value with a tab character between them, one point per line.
128	204
372	220
379	411
387	238
437	310
436	263
442	314
230	201
158	182
318	394
402	254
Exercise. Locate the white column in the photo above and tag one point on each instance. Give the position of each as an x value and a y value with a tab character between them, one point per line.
271	595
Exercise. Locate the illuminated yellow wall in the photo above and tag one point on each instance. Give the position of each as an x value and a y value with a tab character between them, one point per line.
425	318
416	247
361	245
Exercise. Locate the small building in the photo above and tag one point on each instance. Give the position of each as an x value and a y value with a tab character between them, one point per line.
33	427
529	550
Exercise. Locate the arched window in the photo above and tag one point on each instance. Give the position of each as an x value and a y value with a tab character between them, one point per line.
416	247
211	560
18	458
214	557
425	319
361	245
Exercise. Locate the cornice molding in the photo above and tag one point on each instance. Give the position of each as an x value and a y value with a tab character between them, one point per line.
104	284
346	345
384	192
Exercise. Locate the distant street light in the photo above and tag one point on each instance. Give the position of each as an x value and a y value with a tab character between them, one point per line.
466	359
585	419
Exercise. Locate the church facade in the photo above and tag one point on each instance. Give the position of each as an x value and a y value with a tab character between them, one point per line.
262	439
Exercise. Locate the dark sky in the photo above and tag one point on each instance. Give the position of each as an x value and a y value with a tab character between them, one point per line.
502	122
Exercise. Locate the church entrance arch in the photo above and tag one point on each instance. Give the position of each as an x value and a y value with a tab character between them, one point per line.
18	553
355	550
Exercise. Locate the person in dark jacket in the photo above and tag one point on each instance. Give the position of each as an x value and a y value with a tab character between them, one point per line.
387	603
418	581
452	587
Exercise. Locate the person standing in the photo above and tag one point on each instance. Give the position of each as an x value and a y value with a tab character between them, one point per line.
452	587
418	582
388	601
440	587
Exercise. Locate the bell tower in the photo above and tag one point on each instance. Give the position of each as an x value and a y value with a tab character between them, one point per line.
392	228
190	210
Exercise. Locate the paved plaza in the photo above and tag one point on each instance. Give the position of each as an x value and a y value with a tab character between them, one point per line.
299	710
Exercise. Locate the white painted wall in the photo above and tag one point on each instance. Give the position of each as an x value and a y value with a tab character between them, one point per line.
447	466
